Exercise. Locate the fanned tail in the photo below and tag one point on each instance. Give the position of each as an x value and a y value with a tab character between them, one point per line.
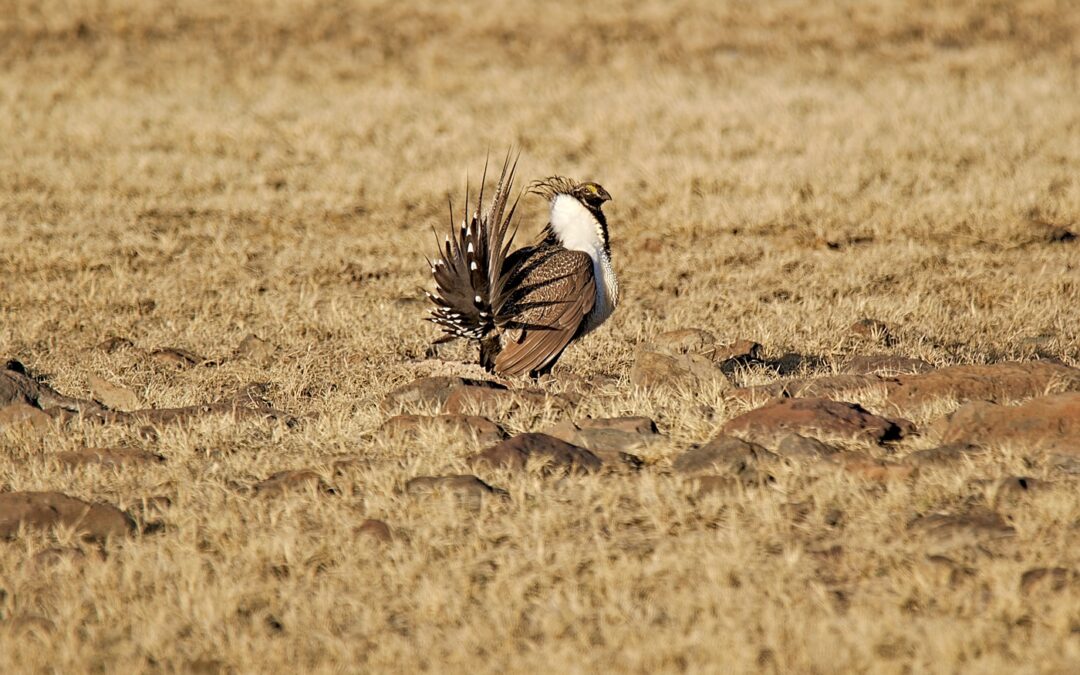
471	287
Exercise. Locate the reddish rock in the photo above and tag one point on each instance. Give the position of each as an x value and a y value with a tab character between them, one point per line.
114	343
739	352
375	529
254	348
472	427
794	446
830	386
1050	424
815	417
47	510
429	392
864	364
549	452
22	415
1048	580
283	482
724	453
108	457
998	382
965	529
653	369
945	454
465	399
871	329
683	341
59	555
612	445
871	469
634	425
112	395
175	358
468	490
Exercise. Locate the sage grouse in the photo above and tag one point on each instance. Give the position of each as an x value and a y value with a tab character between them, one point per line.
525	306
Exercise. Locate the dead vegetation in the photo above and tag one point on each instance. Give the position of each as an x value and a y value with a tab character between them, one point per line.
215	455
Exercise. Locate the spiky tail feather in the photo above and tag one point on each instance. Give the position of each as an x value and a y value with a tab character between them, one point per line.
471	287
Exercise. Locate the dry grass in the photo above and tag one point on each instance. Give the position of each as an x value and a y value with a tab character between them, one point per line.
779	170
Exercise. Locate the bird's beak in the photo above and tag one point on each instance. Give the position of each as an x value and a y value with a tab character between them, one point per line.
604	196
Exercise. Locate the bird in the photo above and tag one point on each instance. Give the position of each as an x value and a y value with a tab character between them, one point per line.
525	306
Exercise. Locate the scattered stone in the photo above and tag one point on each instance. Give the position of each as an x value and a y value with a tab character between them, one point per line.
114	343
723	453
375	529
871	329
1014	489
113	396
998	382
871	469
430	392
468	490
816	417
1047	580
473	427
175	358
550	453
830	386
740	352
490	401
865	364
794	446
283	482
1050	424
23	415
959	530
634	425
108	457
254	348
683	341
59	555
704	485
47	510
611	445
944	455
653	369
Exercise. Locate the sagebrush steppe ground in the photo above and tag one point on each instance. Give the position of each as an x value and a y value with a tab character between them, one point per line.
186	174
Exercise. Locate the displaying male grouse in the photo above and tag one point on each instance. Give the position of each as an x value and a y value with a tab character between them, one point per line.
525	306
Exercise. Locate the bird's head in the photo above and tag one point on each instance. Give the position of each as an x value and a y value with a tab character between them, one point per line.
591	195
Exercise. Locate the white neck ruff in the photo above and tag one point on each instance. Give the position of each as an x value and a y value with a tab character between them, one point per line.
578	230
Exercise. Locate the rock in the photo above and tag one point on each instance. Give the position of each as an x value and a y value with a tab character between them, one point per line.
114	343
108	457
723	453
998	382
816	417
375	529
47	510
830	386
254	348
60	555
611	445
467	398
711	484
175	358
468	490
113	396
1047	580
945	454
740	352
1015	489
957	530
871	469
284	482
472	427
683	341
864	364
653	369
25	416
871	329
1049	424
944	571
550	453
429	392
634	425
794	446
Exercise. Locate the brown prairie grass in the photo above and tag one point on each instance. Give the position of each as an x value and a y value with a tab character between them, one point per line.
185	174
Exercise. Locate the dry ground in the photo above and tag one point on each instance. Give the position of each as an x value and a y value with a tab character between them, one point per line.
186	174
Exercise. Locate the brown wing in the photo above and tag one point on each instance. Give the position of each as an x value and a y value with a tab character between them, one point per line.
556	292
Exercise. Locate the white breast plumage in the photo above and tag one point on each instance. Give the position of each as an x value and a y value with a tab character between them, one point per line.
578	230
